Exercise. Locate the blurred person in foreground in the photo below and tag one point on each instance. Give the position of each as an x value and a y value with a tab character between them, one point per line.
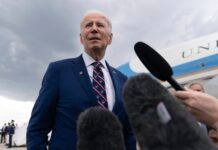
71	86
197	86
204	107
212	133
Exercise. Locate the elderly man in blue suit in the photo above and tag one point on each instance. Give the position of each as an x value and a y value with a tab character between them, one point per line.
67	90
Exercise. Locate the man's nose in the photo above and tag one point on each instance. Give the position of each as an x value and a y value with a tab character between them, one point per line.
94	28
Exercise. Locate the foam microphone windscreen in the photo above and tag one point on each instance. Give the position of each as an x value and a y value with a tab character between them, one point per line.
99	129
159	120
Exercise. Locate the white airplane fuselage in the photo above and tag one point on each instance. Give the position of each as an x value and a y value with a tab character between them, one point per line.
193	60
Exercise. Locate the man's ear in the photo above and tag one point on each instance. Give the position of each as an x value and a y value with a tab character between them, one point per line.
81	40
110	38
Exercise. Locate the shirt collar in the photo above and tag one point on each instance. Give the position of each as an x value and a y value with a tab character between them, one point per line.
89	60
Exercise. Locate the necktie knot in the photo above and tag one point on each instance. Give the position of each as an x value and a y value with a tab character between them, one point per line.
97	65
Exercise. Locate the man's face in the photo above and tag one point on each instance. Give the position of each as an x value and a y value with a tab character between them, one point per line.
95	32
197	87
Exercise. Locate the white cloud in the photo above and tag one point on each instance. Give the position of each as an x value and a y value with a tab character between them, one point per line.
14	110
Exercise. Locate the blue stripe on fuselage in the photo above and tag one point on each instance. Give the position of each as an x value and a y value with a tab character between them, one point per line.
183	69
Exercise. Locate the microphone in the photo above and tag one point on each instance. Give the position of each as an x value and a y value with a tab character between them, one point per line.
156	64
159	120
99	129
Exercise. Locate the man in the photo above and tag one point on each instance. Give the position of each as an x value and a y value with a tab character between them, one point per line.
196	86
11	129
212	133
3	134
204	107
67	90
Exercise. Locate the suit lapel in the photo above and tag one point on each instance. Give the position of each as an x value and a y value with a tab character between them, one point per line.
113	74
81	73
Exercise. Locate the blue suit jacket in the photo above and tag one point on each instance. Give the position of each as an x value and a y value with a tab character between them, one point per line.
66	92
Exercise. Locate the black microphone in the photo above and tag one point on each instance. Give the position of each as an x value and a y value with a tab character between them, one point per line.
156	64
99	129
159	120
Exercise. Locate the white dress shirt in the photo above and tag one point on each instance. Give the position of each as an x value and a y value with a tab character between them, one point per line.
108	81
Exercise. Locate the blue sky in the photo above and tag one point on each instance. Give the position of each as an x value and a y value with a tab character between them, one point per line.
36	32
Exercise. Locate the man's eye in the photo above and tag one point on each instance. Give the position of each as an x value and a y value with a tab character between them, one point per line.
101	25
88	25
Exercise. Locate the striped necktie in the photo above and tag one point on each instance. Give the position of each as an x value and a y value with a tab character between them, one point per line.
98	85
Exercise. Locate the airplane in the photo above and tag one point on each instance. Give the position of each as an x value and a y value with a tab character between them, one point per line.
192	61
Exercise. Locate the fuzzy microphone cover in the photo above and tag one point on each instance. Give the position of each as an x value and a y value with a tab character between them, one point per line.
99	129
159	120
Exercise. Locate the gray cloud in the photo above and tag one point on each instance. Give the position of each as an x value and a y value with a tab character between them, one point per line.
34	33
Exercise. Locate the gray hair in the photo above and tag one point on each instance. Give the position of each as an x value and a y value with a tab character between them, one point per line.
99	12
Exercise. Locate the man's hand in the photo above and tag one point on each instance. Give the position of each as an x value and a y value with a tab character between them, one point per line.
203	106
